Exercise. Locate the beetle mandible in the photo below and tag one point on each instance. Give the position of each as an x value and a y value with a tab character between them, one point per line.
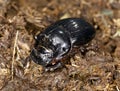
56	41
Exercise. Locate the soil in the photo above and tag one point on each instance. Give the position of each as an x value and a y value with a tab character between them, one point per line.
95	68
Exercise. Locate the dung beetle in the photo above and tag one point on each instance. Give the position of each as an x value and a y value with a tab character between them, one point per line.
58	40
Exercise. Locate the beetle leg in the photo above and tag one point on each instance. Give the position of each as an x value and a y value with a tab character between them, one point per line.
54	67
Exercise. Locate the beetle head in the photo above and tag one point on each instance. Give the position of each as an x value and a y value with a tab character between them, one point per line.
42	55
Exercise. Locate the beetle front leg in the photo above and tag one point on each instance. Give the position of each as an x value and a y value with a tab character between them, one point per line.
54	67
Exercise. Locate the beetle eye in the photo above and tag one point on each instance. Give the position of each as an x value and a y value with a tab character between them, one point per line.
64	49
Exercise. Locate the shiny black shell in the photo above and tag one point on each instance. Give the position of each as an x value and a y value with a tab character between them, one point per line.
59	39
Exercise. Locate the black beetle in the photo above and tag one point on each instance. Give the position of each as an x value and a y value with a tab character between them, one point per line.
53	44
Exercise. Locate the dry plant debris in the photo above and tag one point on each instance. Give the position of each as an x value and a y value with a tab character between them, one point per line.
95	68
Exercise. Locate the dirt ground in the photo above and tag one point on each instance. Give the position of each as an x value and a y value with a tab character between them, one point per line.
95	69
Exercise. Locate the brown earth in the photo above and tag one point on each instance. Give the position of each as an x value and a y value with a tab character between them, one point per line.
97	70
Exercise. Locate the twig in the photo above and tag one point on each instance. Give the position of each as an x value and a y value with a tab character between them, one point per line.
13	57
117	88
